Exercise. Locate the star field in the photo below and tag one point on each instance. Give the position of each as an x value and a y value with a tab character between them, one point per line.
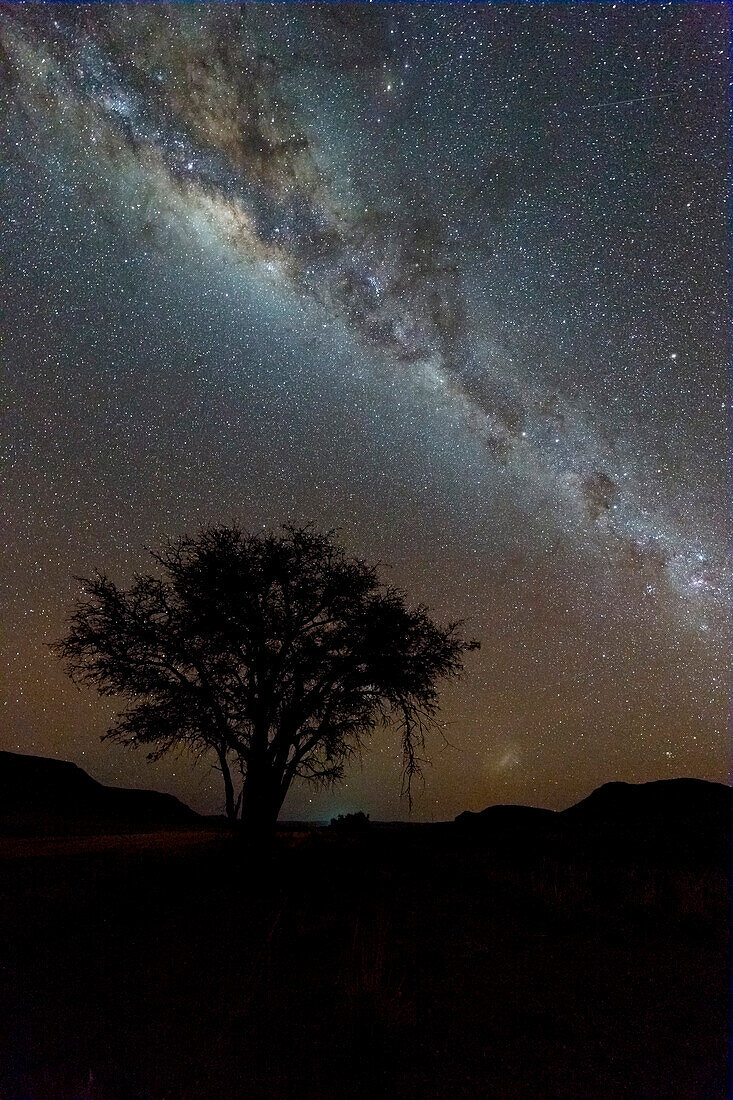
451	279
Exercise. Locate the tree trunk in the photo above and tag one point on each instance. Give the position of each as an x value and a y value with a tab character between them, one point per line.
229	800
261	802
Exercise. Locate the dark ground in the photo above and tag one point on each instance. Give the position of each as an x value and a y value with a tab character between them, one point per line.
405	962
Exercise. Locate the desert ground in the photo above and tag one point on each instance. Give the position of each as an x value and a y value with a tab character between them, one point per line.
401	962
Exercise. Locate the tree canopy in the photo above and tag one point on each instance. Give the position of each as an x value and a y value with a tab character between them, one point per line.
279	653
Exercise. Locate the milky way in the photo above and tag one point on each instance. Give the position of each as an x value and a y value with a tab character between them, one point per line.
511	227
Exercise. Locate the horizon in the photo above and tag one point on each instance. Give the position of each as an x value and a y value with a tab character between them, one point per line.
325	822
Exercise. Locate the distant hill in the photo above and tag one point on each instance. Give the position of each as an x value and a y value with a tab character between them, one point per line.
669	799
511	819
665	819
43	796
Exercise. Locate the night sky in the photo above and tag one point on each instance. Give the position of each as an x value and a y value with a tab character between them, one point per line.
452	279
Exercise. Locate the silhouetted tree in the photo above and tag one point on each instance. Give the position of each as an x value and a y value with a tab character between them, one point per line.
278	653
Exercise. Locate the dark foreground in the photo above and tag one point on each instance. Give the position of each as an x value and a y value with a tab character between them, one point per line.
402	963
